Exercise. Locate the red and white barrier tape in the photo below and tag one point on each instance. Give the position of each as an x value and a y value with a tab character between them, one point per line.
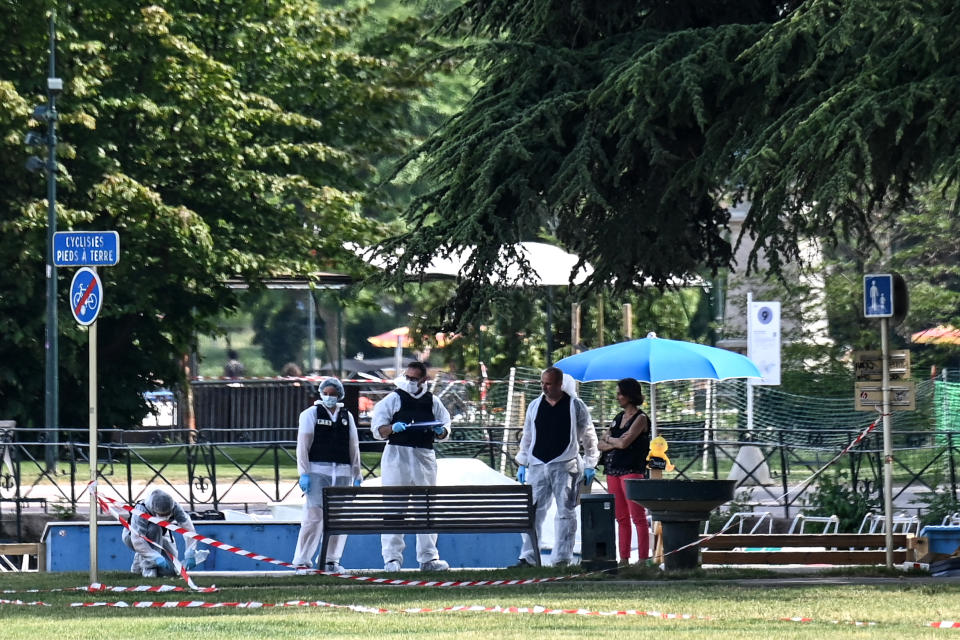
855	623
107	501
548	611
860	438
35	603
396	582
944	624
98	587
160	588
200	604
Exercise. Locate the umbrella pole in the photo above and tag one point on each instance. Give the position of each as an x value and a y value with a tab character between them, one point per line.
398	357
653	410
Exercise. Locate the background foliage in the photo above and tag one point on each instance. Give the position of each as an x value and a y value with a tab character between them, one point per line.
220	139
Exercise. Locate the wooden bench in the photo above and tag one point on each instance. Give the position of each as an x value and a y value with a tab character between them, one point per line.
802	548
463	509
20	552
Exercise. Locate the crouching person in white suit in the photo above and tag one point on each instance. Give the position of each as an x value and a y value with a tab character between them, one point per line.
152	545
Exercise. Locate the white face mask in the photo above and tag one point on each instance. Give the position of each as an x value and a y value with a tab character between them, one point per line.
329	401
409	386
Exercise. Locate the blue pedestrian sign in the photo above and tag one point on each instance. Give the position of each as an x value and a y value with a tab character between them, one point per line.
878	295
86	296
86	248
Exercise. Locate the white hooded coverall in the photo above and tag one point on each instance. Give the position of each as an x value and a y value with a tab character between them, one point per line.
145	554
407	466
558	480
322	474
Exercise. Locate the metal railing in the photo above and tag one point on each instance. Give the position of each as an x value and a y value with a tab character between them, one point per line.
209	466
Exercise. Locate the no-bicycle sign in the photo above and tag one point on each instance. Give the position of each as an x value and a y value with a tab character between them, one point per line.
86	296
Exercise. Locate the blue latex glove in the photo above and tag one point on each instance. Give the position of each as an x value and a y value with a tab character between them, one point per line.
399	426
522	475
439	430
589	475
162	563
356	482
191	560
305	482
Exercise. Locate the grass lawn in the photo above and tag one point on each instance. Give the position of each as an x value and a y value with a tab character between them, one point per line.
733	608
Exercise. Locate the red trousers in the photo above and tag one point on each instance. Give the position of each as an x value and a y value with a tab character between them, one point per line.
625	511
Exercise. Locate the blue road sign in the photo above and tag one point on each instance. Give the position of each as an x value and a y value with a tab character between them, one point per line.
86	296
86	248
878	295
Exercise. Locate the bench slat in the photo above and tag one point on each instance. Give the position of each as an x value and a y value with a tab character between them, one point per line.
443	509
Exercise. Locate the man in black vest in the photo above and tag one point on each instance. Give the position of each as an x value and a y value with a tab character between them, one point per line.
328	455
556	425
410	419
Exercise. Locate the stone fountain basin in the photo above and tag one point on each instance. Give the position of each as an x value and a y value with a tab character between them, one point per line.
680	500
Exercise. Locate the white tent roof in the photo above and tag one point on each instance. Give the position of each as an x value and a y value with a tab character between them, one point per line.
551	265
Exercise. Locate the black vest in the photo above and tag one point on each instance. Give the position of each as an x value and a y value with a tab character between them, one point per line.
633	459
552	424
331	439
414	410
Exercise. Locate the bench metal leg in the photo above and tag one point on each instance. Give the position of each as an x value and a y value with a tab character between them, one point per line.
322	558
532	532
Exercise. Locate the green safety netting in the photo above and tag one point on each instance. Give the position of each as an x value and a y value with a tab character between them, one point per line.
488	424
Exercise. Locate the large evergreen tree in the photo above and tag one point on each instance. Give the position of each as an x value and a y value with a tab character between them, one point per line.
629	126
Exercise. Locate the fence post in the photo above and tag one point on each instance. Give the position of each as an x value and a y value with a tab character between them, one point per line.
712	443
276	471
853	462
507	419
953	466
783	475
129	476
213	477
191	464
73	473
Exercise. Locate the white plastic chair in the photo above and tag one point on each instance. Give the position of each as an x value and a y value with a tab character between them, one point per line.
829	522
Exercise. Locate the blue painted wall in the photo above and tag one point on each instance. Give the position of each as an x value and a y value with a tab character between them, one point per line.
68	547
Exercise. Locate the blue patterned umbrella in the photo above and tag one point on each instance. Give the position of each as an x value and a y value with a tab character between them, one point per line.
654	360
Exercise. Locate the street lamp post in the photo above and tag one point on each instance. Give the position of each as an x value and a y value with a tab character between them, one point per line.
48	112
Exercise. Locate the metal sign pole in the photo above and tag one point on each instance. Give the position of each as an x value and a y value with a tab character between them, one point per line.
887	445
93	449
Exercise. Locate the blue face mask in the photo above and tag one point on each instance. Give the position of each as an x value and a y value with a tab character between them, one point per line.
329	401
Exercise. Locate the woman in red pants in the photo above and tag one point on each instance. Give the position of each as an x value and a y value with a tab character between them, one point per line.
625	448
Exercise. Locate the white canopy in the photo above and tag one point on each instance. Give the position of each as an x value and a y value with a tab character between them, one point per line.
551	265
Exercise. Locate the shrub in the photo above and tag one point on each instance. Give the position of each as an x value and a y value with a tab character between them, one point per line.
834	495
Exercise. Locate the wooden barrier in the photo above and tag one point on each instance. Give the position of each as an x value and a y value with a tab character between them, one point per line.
803	548
23	551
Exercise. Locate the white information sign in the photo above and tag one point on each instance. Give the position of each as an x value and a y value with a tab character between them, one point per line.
763	340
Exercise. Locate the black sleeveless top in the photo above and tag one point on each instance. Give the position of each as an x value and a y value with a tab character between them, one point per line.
633	459
331	438
414	410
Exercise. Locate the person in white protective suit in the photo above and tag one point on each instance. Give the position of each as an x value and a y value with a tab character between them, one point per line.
328	455
153	546
410	419
557	423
